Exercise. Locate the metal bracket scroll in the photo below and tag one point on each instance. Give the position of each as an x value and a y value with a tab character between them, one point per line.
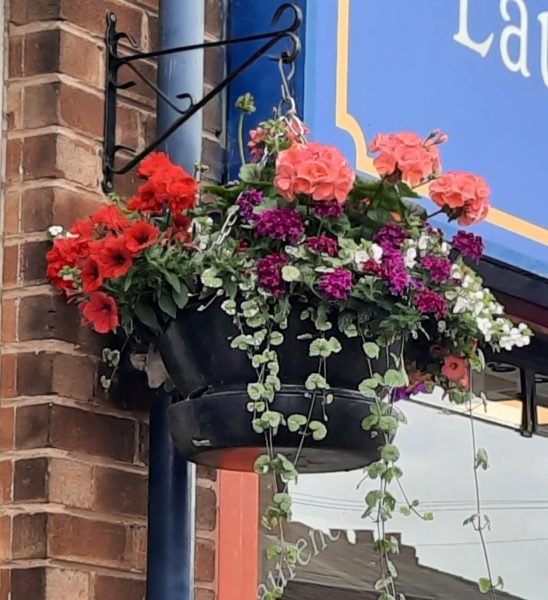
115	60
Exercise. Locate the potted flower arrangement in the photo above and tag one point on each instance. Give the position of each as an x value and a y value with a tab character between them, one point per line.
293	307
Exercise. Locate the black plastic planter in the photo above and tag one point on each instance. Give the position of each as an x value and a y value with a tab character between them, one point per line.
212	426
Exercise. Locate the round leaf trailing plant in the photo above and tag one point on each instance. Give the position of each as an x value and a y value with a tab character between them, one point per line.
300	231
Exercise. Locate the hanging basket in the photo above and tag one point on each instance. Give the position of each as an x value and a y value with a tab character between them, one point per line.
212	425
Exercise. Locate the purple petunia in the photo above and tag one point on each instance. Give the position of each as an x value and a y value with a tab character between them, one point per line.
269	273
440	268
405	393
393	270
336	285
391	236
283	224
469	245
328	208
431	302
247	201
323	244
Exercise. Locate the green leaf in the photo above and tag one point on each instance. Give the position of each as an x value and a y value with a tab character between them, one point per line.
173	280
484	585
273	551
481	460
366	390
370	382
209	278
371	349
250	173
255	390
390	453
262	464
145	313
316	381
167	304
394	379
180	297
319	430
229	307
276	338
376	469
290	273
295	422
389	424
369	422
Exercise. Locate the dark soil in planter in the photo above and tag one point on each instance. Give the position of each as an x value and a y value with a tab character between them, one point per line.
212	426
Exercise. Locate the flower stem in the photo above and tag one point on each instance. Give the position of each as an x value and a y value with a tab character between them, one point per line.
241	137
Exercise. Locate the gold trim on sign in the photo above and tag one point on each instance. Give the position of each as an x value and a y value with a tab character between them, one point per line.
364	162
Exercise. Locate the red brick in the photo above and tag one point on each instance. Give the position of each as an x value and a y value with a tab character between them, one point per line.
204	568
8	379
94	542
7	426
28	11
143	444
15	66
34	374
28	584
41	52
74	376
214	65
65	584
70	483
5	584
5	538
37	209
9	321
214	17
14	101
69	206
6	482
206	472
40	105
30	480
140	91
206	508
128	127
120	492
201	594
31	426
139	547
213	156
29	535
39	157
33	262
92	433
14	160
81	58
11	212
81	110
115	588
91	16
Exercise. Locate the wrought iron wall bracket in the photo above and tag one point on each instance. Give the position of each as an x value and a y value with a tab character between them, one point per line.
115	60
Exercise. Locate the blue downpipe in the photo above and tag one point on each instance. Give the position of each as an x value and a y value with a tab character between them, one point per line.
171	521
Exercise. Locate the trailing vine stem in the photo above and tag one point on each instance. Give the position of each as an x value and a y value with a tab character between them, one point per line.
481	523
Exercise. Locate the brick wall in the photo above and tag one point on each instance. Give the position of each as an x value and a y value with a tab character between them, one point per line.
73	467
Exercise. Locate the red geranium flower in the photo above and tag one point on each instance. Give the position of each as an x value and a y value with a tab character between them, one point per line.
83	229
156	161
141	235
113	257
111	217
66	252
101	311
92	277
147	200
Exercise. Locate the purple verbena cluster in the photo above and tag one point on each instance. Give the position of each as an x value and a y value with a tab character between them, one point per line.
440	268
391	236
328	208
336	285
468	245
430	302
247	201
283	224
323	244
269	273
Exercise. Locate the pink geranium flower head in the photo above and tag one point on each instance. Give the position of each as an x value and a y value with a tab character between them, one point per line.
464	194
408	157
315	170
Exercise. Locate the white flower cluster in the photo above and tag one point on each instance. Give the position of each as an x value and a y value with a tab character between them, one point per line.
473	299
368	251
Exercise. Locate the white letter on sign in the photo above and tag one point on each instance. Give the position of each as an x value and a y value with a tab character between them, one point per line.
543	18
520	31
463	37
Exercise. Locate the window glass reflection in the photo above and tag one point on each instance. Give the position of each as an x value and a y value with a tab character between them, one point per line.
440	559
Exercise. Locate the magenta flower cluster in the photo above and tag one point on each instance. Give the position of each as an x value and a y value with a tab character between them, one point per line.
336	285
269	273
468	245
283	224
394	271
430	302
323	245
328	208
391	236
247	201
440	268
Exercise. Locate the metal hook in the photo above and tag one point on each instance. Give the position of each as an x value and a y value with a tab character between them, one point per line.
296	12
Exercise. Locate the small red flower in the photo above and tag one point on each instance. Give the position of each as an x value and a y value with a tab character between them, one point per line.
101	311
113	257
141	235
156	161
66	252
111	217
92	277
83	229
455	368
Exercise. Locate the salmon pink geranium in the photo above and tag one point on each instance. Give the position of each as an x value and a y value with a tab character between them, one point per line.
463	195
314	170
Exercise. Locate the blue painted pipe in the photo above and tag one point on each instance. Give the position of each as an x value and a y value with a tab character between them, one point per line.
172	483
